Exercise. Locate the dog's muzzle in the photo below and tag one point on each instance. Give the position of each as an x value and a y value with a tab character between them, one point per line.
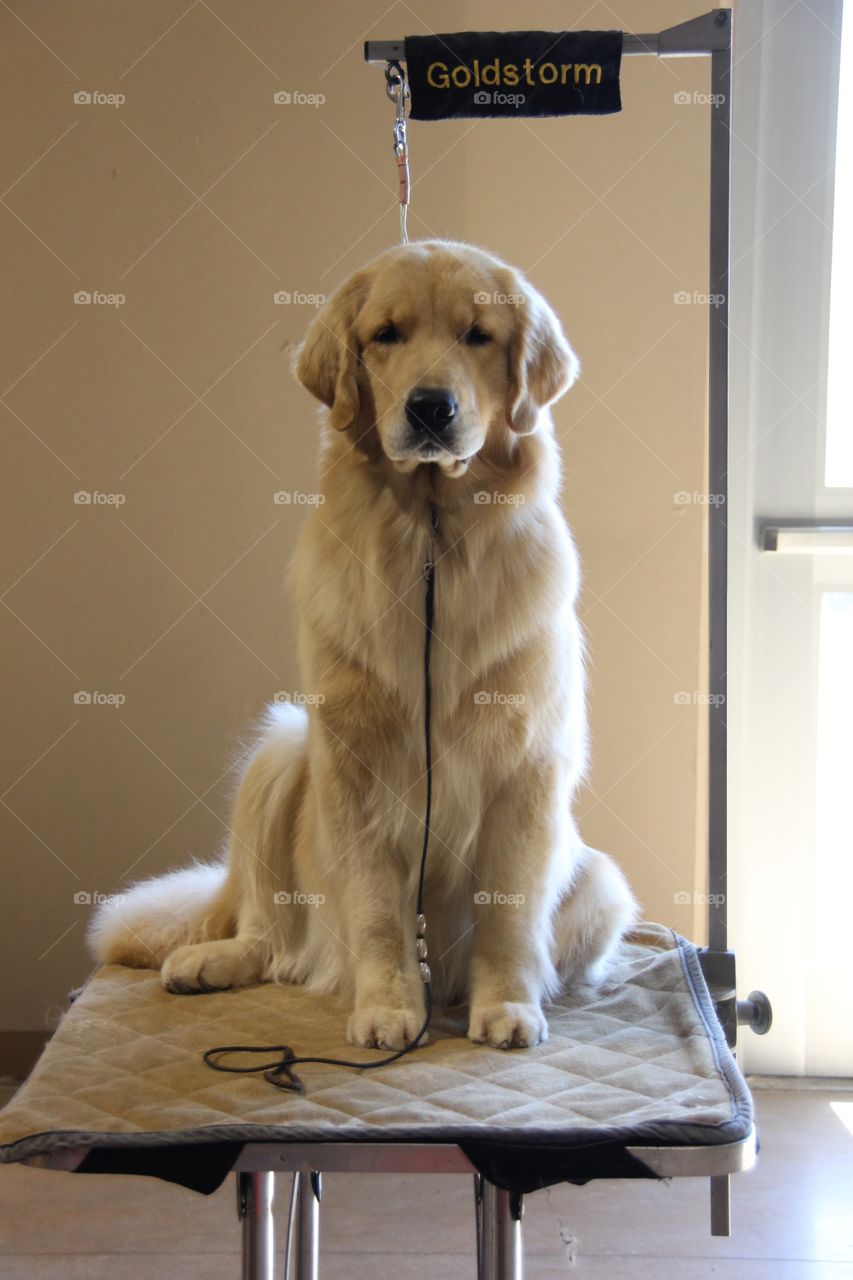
431	415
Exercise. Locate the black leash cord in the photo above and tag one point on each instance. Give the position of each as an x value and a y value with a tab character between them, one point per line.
280	1072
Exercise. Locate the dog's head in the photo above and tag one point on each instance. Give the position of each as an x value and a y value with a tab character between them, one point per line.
432	347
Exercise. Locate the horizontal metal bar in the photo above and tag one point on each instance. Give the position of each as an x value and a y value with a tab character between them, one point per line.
695	38
395	50
698	1162
808	539
433	1157
355	1157
393	1157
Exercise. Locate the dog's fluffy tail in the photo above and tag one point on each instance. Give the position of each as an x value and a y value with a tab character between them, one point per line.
142	926
592	919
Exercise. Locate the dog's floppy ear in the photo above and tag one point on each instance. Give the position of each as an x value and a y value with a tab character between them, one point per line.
327	362
542	365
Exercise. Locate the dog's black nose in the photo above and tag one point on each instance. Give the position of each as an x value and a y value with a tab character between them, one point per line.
430	411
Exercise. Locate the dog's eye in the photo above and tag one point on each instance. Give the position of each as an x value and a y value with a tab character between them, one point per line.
477	337
387	334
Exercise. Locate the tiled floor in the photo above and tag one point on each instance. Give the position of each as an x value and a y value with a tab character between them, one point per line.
793	1219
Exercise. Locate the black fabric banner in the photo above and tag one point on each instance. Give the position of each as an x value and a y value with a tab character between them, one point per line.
514	73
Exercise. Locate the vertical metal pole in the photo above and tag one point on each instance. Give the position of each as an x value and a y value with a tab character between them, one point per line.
303	1251
254	1207
718	433
503	1252
478	1209
721	1205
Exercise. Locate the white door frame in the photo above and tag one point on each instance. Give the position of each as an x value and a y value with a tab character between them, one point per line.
783	154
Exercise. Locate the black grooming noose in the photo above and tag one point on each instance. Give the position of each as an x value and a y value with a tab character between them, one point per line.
280	1072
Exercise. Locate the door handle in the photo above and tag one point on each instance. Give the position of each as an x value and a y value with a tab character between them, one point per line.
808	539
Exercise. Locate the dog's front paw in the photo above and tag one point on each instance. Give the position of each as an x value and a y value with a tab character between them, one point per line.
375	1027
209	966
507	1026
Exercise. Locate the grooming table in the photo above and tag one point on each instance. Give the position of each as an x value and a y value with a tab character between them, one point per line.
636	1080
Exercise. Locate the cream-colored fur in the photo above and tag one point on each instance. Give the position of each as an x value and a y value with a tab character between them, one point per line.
319	884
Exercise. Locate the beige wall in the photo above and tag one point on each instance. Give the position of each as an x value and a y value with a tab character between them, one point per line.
197	199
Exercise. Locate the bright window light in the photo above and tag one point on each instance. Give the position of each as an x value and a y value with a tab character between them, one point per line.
839	388
844	1111
834	869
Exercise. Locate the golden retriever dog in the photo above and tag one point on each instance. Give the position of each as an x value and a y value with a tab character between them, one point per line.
436	364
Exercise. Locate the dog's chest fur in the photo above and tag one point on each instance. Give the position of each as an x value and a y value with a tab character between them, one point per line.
505	654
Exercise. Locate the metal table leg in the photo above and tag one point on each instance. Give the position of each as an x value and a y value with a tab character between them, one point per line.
502	1248
303	1232
254	1209
721	1205
478	1210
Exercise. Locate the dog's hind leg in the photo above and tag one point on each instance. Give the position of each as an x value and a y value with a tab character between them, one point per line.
260	852
213	966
